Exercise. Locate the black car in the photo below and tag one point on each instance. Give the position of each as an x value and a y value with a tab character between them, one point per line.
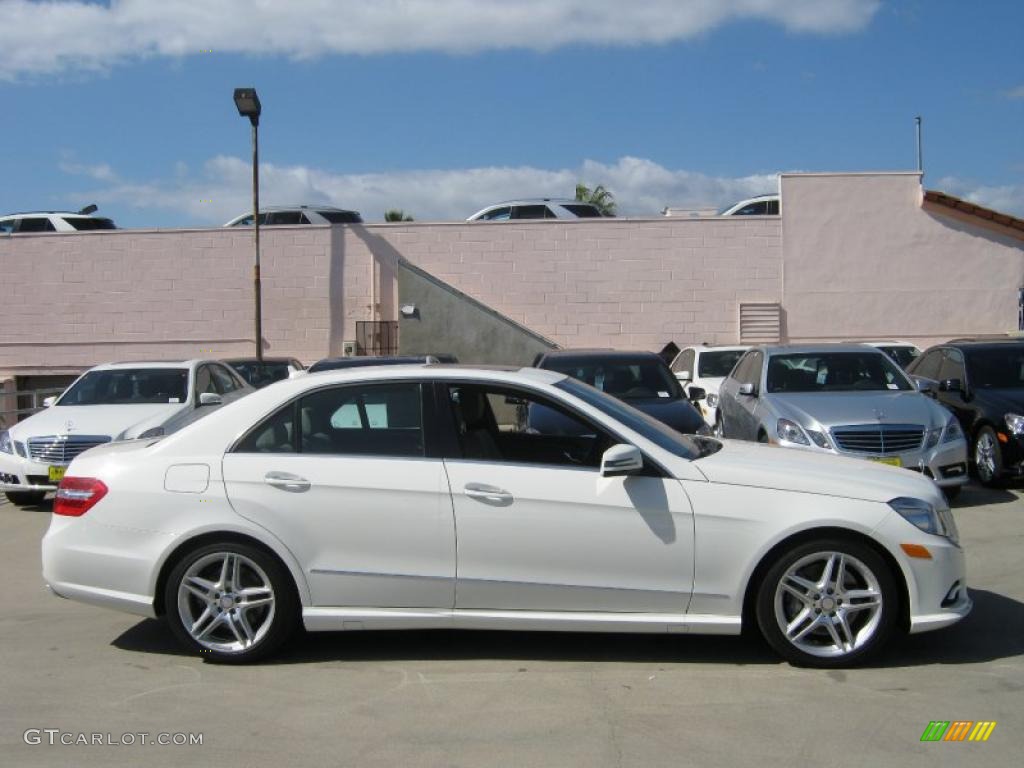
982	382
260	374
641	379
336	363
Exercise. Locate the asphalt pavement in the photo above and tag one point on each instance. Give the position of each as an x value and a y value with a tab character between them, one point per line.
71	672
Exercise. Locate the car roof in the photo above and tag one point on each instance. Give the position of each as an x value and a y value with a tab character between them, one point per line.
603	354
968	344
233	360
151	364
425	371
785	349
538	200
714	348
301	207
53	213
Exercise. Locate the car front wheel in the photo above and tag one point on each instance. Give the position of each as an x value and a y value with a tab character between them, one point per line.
719	429
988	456
828	603
231	602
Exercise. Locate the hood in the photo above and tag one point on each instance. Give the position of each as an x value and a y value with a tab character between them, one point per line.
1000	401
678	414
115	421
791	469
830	409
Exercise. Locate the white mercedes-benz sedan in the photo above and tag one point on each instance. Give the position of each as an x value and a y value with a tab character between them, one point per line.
417	497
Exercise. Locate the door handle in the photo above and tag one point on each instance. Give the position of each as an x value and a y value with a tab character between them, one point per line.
488	494
286	481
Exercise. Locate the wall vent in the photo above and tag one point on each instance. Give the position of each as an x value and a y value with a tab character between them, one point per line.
760	323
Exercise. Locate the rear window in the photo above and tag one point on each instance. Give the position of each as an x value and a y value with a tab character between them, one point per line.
91	223
532	212
583	211
342	217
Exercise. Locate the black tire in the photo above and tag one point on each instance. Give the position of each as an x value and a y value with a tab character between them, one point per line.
987	457
26	498
762	437
719	428
868	629
236	612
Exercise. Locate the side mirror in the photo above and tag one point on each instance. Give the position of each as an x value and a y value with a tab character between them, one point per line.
621	459
748	389
697	393
684	375
925	385
48	401
951	385
209	398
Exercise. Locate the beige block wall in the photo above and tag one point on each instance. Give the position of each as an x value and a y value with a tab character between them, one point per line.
71	301
863	260
611	282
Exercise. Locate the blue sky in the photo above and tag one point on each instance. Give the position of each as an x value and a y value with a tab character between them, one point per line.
443	106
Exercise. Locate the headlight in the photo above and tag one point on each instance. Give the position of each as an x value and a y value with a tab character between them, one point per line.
6	444
791	432
923	515
953	431
931	438
712	400
819	439
1015	423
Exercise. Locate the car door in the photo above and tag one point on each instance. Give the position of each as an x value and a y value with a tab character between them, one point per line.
347	478
952	367
747	419
539	528
728	396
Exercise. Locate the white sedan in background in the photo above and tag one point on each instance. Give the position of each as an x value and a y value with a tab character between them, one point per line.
416	497
704	368
117	401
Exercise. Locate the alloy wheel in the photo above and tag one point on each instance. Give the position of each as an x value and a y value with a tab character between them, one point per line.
828	604
985	456
226	602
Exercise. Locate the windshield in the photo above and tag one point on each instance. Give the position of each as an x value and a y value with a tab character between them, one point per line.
834	372
259	375
717	365
1001	368
129	386
685	446
903	356
636	379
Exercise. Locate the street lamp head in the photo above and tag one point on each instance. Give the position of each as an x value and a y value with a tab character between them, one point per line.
248	104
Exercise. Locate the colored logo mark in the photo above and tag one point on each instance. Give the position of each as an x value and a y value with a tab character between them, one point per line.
958	730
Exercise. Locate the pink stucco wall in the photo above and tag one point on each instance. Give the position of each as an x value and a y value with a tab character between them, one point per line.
863	259
852	256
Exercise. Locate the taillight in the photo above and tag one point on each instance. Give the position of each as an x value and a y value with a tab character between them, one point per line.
77	495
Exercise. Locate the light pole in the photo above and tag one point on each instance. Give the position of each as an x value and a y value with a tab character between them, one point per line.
248	104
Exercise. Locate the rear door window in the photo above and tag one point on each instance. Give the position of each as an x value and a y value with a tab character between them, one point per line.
36	224
532	212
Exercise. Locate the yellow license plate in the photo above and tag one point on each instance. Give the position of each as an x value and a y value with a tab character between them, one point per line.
57	474
893	461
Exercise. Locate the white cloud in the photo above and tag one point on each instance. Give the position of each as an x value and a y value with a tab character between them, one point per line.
1005	198
73	35
222	189
1015	94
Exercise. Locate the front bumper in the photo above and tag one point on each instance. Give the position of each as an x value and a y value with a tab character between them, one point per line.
20	475
936	586
946	463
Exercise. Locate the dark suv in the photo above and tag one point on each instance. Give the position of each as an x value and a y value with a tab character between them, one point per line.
641	379
982	382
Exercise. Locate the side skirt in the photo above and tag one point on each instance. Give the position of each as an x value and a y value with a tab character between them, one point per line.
346	619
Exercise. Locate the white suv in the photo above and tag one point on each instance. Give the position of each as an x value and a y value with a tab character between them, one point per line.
117	401
278	215
704	367
540	208
54	221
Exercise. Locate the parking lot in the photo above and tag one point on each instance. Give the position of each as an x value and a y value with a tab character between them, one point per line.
486	698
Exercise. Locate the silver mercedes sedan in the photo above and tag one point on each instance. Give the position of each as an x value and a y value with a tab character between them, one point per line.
845	399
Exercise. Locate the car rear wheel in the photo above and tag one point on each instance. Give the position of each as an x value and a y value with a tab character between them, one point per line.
828	603
231	602
26	498
988	456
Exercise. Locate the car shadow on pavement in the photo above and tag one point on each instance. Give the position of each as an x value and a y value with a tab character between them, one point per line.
994	630
977	495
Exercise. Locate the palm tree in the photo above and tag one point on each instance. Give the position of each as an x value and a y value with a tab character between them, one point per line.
598	196
396	214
